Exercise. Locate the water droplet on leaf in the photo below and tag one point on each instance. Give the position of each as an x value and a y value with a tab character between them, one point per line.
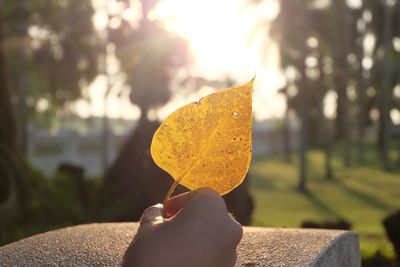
235	113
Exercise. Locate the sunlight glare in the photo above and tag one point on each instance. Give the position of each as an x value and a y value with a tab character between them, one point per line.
218	32
227	39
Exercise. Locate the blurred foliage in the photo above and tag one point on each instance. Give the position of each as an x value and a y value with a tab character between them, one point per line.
55	202
323	46
149	55
45	57
348	49
49	56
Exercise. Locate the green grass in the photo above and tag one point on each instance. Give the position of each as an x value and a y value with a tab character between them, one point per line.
361	195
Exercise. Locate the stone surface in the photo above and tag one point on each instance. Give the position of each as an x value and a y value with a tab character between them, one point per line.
104	245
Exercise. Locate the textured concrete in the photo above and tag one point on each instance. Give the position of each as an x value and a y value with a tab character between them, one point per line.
104	245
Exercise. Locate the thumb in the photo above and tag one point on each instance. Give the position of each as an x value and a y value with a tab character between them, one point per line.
152	215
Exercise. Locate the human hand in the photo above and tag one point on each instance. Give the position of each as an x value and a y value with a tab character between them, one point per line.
197	231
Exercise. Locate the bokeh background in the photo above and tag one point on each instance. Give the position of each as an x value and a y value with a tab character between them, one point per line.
84	85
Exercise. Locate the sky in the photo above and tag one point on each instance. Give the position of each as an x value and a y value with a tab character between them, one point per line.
225	40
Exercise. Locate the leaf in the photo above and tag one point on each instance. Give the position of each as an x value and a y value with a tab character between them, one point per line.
208	143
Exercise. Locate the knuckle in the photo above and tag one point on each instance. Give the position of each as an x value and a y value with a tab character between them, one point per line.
151	214
211	198
206	192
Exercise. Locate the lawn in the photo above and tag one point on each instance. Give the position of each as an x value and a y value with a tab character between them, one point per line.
361	195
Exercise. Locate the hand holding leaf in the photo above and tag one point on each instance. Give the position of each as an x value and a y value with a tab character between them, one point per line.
208	143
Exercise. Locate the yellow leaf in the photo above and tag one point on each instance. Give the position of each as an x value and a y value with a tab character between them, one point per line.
208	143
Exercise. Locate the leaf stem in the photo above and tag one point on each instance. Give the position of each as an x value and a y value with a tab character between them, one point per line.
170	191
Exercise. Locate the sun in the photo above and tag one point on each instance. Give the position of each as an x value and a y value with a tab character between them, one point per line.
217	30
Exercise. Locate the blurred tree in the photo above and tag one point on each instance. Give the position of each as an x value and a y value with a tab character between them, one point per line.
320	61
338	36
148	54
52	51
385	69
286	133
13	192
340	50
386	86
55	51
294	18
358	33
390	79
349	75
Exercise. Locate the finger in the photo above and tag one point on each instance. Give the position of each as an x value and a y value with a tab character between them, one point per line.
176	203
203	202
152	215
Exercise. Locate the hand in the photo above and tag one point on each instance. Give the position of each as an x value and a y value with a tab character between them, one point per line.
199	231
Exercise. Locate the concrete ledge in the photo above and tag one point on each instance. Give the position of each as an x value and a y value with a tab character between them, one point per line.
105	244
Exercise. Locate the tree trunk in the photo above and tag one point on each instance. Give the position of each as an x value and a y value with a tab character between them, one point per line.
361	96
303	95
133	180
304	133
340	107
384	119
327	146
22	109
8	130
341	80
105	138
287	153
343	131
328	162
7	123
324	124
361	120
